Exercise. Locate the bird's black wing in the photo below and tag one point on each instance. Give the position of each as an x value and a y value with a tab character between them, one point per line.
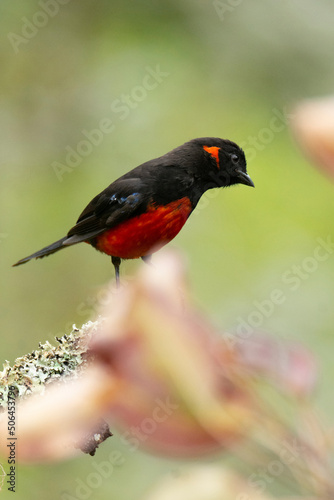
123	199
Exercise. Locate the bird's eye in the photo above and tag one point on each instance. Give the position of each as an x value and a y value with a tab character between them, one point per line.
235	159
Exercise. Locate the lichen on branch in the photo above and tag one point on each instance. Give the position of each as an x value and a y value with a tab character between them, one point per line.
32	372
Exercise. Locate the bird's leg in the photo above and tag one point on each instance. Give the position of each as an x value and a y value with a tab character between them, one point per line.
116	263
147	259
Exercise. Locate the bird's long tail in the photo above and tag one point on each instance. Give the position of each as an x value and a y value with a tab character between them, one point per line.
57	245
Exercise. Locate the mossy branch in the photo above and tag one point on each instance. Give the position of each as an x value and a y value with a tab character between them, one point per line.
30	374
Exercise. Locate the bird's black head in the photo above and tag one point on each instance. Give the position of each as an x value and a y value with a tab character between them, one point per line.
220	163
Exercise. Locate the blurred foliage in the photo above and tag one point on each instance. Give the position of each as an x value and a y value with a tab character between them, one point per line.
228	71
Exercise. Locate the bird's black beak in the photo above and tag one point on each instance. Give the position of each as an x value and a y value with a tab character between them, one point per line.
244	178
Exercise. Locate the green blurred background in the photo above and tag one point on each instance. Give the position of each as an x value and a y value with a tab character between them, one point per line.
228	69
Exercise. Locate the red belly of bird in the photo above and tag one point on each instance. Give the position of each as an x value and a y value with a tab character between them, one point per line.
145	233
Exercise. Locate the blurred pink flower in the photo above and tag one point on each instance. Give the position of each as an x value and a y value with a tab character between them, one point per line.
313	127
163	375
174	398
291	366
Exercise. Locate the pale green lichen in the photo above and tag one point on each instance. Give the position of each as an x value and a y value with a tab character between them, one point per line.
32	372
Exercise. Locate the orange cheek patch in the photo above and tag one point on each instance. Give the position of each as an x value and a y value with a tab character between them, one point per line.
214	152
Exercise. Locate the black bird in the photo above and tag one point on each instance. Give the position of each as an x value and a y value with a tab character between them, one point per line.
145	208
